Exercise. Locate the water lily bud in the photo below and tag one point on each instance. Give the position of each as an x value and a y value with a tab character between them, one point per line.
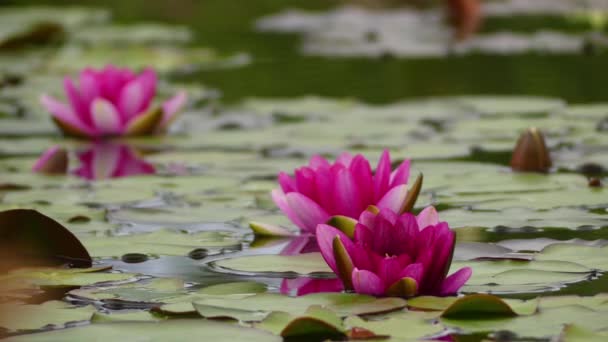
465	16
530	153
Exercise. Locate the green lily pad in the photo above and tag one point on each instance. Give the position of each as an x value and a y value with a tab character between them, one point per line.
430	303
154	332
34	317
59	278
117	317
283	265
401	326
592	257
574	333
161	242
317	322
257	307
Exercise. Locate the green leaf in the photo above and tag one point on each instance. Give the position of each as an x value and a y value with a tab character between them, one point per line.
302	264
154	332
34	317
478	306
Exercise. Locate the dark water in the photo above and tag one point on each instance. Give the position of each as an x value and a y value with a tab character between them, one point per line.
278	70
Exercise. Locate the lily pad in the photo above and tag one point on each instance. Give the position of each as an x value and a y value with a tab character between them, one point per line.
161	242
154	332
275	265
15	316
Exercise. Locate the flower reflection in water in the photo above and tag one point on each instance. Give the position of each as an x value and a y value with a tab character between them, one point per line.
96	162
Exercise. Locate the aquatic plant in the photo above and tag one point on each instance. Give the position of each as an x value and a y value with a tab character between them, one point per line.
394	255
112	102
348	186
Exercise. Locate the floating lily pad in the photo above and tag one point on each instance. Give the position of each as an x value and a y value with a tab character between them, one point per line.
161	242
592	257
154	332
14	316
257	307
280	265
400	326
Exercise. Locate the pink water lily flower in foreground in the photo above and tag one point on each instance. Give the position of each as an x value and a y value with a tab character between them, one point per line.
112	102
321	190
394	255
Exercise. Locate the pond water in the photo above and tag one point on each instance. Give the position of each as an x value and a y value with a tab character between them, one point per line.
166	218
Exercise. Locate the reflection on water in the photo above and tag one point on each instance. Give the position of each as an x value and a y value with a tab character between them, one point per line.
95	162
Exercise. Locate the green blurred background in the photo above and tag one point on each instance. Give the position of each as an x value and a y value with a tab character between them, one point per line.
278	70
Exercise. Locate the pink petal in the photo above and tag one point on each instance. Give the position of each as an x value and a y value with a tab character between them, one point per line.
305	182
344	159
172	106
325	235
324	181
309	213
362	176
148	80
382	176
384	232
89	86
367	219
280	200
364	235
346	194
131	99
318	162
80	107
388	270
427	217
406	234
401	174
452	284
287	183
414	271
64	114
363	258
393	199
105	117
366	282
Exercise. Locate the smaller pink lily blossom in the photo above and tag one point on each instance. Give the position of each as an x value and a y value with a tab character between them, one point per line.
394	255
347	187
98	161
112	102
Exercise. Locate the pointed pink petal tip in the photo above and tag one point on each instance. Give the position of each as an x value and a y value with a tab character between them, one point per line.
279	198
172	106
427	217
452	284
394	198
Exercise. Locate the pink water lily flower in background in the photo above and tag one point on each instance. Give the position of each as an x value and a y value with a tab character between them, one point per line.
96	162
112	102
394	255
347	187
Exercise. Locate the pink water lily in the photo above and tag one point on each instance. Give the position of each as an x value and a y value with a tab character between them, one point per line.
321	190
96	162
112	102
394	255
